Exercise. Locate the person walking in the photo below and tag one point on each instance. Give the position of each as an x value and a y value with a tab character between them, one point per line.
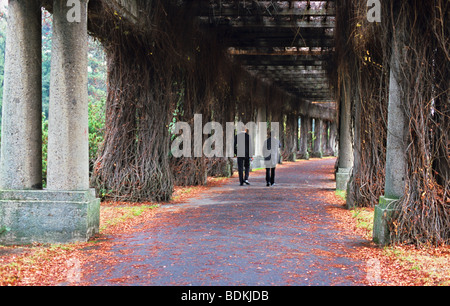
271	156
243	149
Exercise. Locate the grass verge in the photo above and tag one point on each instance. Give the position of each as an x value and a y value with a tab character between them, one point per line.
404	264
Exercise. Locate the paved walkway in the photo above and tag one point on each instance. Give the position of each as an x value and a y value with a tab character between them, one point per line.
249	235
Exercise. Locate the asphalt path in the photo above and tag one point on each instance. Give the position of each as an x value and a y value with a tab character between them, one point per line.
241	235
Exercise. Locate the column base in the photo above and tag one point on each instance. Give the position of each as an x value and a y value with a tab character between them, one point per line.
53	217
342	178
292	157
317	154
225	170
382	220
304	156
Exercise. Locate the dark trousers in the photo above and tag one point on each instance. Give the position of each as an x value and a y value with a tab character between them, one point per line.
243	164
270	175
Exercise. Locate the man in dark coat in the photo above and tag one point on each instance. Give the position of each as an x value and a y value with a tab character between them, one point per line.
243	149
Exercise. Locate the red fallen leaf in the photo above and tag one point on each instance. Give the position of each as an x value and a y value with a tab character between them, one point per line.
53	267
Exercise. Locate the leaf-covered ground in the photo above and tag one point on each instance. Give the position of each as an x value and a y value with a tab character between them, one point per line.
296	233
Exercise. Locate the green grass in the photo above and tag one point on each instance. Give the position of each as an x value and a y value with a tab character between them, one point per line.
364	219
342	194
257	169
125	213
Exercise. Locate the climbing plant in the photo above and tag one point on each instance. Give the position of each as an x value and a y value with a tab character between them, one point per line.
363	54
158	76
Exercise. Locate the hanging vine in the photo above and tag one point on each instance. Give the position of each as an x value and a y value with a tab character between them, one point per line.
163	69
363	53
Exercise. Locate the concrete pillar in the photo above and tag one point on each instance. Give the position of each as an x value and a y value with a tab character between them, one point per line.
260	136
291	136
345	140
333	136
325	139
261	133
329	139
304	134
67	211
298	139
295	137
352	194
276	119
318	134
396	161
21	150
309	134
68	135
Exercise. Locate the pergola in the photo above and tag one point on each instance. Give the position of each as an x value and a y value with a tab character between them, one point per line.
255	60
288	43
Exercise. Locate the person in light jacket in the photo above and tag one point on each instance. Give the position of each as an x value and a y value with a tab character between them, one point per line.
271	156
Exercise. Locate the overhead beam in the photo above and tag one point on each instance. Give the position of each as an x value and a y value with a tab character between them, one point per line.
316	111
281	60
252	22
263	42
270	68
298	12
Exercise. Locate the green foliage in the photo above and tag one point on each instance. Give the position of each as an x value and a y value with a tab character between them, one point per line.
4	230
96	128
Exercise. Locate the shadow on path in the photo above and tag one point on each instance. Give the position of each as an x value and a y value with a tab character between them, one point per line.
250	235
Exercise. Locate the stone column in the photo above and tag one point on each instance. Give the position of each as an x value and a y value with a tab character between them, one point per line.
396	161
318	131
333	135
345	140
67	211
309	135
304	137
352	193
21	150
295	145
292	136
329	139
325	139
260	137
68	135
